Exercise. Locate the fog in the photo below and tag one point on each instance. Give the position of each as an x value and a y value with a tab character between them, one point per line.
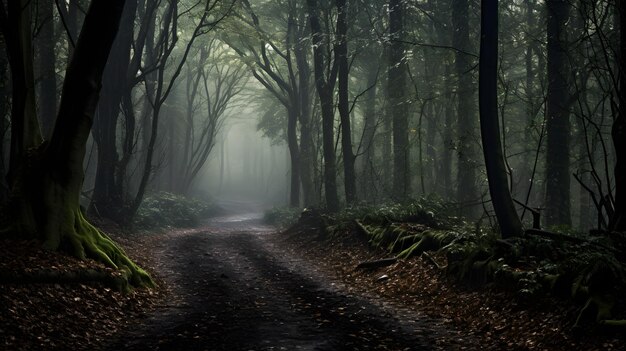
245	165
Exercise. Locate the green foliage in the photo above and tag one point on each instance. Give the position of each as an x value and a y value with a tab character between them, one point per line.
282	217
165	209
580	268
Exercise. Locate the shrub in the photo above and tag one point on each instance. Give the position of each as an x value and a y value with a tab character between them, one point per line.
165	209
282	216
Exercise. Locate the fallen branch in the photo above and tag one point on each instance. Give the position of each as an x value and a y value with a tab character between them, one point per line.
377	263
432	260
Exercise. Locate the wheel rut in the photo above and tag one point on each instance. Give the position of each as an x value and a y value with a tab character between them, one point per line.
235	289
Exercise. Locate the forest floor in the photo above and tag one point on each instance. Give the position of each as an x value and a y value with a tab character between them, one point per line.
236	284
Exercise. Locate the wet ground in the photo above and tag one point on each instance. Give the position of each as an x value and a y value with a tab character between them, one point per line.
235	289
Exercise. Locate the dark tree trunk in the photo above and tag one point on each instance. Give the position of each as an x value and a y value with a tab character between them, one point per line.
4	107
401	187
467	192
445	168
325	89
107	197
557	121
47	184
529	90
618	222
368	184
25	132
47	67
510	224
294	157
341	54
307	155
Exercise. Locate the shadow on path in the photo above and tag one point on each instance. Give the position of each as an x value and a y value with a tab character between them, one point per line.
235	290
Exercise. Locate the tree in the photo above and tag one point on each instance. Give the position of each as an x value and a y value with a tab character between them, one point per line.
46	178
343	70
510	224
467	191
119	73
287	78
325	84
47	67
221	82
401	186
618	221
557	117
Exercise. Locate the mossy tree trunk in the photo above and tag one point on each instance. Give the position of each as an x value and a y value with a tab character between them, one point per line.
48	177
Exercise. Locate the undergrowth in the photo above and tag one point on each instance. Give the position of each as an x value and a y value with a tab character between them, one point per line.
583	269
282	217
164	209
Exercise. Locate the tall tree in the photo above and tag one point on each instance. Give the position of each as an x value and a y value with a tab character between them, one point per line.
343	70
557	117
47	178
287	78
107	198
618	222
510	224
47	67
401	187
325	84
467	191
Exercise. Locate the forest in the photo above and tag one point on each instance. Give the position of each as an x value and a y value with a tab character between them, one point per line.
318	174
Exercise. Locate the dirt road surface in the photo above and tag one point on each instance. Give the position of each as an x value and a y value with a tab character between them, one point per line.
234	288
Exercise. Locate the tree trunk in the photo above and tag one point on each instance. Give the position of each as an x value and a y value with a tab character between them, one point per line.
294	157
4	104
48	184
325	88
341	54
618	222
368	184
557	121
510	224
467	192
107	198
445	168
25	132
307	155
47	67
401	187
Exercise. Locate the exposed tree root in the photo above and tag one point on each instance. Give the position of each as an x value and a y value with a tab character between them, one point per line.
70	231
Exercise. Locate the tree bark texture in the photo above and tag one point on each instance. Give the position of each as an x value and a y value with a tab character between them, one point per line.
467	191
325	89
557	117
48	181
107	196
510	224
341	54
47	68
618	222
401	187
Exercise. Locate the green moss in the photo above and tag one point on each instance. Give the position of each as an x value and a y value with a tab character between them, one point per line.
81	239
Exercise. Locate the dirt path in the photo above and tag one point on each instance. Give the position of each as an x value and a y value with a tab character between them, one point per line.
234	289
